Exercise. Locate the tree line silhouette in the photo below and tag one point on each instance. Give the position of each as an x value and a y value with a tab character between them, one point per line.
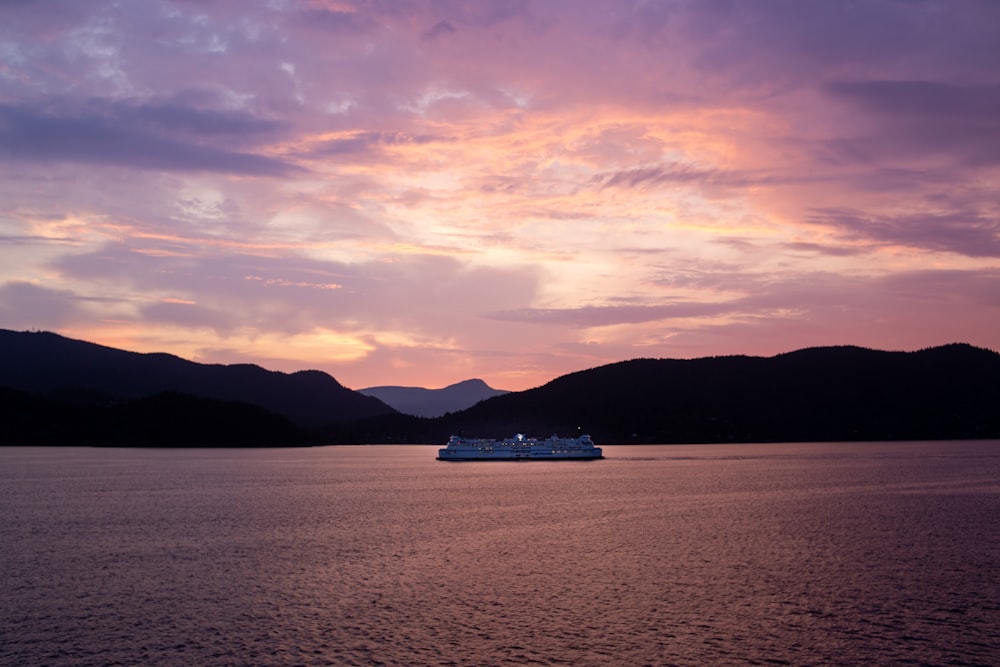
57	391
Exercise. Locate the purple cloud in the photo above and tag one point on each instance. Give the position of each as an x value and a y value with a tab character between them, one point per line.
337	21
24	305
439	29
363	143
142	136
291	293
967	232
596	316
924	99
961	121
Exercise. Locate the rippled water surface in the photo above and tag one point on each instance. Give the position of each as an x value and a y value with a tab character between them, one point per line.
821	554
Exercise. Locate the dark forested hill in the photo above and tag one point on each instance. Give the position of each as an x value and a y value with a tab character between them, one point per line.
833	393
51	365
830	393
162	420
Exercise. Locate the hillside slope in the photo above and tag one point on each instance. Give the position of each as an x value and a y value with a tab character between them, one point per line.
46	363
833	393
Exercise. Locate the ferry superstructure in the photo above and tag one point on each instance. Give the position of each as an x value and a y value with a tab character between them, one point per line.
519	448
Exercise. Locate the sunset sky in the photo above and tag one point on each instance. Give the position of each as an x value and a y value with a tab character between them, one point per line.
417	193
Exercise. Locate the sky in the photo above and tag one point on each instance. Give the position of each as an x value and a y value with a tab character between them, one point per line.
421	192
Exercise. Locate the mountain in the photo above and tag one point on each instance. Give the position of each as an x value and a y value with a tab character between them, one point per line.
59	390
815	394
434	402
47	364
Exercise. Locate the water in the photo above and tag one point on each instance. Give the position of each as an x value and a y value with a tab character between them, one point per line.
820	554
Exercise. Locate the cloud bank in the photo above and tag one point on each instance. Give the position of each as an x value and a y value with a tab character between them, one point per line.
419	193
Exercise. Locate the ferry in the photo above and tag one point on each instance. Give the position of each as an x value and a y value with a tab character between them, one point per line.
519	448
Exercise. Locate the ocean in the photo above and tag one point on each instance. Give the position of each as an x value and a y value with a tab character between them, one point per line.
771	554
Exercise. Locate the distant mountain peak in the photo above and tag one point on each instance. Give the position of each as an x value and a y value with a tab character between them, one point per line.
468	384
423	402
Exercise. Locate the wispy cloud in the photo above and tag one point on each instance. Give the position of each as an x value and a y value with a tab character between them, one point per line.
600	316
973	233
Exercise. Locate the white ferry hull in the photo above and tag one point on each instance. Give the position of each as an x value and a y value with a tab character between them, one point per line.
520	448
